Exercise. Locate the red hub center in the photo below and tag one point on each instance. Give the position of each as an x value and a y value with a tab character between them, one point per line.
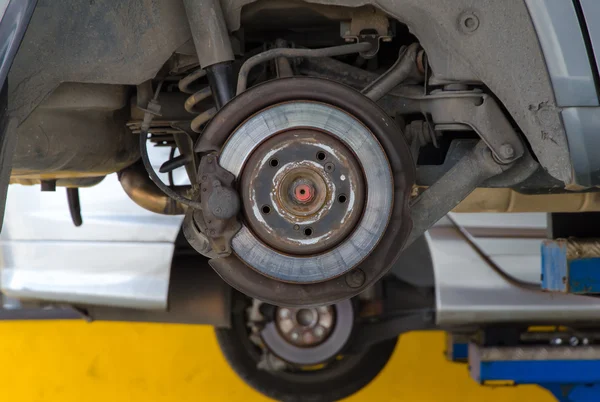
304	193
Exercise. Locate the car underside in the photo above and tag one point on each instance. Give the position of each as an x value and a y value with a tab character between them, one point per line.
320	139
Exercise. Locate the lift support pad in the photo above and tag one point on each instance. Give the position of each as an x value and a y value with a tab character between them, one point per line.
572	374
571	266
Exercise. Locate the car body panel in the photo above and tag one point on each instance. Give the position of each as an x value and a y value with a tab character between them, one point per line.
120	256
565	52
469	292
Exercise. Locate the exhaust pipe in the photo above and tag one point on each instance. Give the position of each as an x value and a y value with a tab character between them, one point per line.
140	188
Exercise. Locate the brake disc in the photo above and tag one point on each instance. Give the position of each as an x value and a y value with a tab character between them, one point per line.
324	177
295	164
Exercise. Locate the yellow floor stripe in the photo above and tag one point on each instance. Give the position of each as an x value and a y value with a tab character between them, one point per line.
106	362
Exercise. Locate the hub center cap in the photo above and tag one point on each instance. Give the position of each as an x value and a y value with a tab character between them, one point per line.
303	193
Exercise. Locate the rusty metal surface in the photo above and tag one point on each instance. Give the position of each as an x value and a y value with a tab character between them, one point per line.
146	194
262	96
220	204
378	180
303	192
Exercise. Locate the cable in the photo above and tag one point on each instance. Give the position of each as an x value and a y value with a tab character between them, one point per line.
154	177
506	276
152	110
170	173
293	52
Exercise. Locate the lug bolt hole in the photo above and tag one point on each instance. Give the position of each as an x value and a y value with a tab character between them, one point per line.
266	209
342	198
321	156
274	162
308	232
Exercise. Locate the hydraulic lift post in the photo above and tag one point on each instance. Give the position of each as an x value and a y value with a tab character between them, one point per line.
565	361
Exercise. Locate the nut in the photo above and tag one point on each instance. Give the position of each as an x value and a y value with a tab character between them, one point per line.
507	151
355	278
468	22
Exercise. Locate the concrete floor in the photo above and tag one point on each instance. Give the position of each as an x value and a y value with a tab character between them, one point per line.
106	362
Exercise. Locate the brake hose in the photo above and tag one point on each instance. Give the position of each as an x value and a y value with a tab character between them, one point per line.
505	275
152	110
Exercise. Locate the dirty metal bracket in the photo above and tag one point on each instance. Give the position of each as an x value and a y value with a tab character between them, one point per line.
439	199
367	25
451	109
220	205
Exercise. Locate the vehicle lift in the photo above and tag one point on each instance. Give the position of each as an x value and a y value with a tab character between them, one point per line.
564	361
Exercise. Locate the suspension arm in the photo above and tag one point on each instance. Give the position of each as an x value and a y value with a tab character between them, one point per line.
464	177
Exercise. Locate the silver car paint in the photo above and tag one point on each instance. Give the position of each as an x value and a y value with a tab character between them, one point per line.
120	256
469	292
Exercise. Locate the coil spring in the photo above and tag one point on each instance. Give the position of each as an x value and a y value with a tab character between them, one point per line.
191	103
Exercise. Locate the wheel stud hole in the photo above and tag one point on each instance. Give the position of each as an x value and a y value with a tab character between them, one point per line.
274	162
308	232
321	156
266	209
342	199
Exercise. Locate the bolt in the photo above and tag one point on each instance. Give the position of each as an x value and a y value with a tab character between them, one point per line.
507	151
585	341
296	227
573	341
217	210
330	167
355	278
319	332
284	313
212	232
468	22
556	342
295	336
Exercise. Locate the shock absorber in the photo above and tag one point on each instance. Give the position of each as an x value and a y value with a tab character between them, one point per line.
213	46
191	103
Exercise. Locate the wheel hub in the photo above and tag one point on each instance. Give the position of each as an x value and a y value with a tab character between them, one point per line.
348	191
305	326
286	254
303	192
307	336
